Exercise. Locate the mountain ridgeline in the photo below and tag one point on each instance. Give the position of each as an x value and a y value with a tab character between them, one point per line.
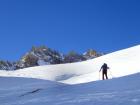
43	55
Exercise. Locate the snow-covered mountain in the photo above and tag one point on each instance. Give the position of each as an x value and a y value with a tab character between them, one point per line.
43	55
76	83
121	63
39	56
6	65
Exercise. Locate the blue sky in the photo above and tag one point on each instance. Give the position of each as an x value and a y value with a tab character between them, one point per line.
64	25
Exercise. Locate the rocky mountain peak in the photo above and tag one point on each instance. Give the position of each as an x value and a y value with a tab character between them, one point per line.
43	55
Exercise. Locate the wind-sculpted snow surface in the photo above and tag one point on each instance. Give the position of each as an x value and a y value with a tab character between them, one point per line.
23	91
121	63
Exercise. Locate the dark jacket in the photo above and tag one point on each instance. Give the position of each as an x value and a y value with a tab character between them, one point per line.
104	68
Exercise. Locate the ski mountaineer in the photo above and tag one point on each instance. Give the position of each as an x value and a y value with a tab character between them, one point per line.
104	70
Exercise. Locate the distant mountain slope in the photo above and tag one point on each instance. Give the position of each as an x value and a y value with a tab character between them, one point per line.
43	55
121	63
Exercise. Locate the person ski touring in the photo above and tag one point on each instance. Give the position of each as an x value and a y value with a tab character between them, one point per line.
104	71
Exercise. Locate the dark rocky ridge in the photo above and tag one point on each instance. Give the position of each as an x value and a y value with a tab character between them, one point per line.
45	56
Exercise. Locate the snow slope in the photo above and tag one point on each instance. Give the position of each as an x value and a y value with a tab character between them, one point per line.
121	63
24	91
51	85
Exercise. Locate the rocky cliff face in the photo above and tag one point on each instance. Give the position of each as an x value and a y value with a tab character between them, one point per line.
90	54
45	56
40	56
6	65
